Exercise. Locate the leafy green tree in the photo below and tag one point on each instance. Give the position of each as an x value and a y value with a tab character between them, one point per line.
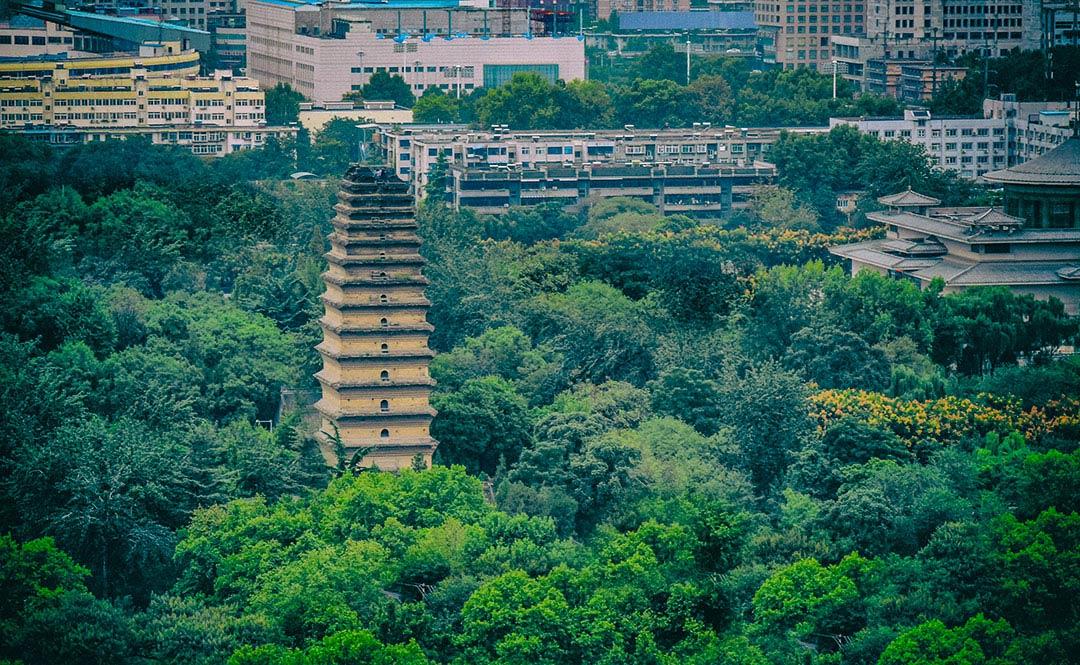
979	640
600	331
388	87
1037	569
883	506
350	647
816	605
982	328
765	406
337	145
689	395
662	62
854	441
108	497
49	616
834	358
482	424
709	98
527	101
282	105
653	103
776	208
435	106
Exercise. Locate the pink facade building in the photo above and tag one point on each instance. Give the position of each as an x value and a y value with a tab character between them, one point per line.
325	51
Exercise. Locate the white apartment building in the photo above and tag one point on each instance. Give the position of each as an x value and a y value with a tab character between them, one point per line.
412	150
1009	133
325	55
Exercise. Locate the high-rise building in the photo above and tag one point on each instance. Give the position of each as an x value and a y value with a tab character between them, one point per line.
796	34
375	381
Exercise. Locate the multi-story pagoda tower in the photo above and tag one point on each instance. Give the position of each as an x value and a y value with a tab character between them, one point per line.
375	381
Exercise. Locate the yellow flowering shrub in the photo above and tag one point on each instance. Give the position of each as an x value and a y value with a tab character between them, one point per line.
947	419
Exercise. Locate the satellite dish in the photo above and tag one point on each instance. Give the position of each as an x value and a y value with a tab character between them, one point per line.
581	38
400	39
428	37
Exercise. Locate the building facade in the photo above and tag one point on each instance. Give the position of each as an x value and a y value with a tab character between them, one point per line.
906	34
1009	133
412	151
913	29
604	8
228	40
325	53
166	59
796	34
22	36
375	379
212	116
693	190
1031	246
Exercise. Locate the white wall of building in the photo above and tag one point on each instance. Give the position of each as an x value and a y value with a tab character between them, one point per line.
325	69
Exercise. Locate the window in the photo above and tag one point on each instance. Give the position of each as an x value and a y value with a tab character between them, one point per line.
385	434
384	323
384	375
383	298
384	348
384	406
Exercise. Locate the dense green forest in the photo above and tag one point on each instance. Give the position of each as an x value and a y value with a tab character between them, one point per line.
663	440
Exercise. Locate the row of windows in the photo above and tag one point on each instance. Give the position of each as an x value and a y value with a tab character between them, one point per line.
27	40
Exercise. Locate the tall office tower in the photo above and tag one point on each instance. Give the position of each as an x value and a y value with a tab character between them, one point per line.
797	34
375	380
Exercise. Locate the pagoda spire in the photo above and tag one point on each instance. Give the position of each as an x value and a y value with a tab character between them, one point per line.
375	380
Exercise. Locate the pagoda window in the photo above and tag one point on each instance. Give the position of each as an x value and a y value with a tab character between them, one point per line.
383	298
382	256
384	323
384	406
384	375
384	348
385	434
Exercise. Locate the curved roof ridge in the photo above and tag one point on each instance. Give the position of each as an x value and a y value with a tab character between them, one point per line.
1060	166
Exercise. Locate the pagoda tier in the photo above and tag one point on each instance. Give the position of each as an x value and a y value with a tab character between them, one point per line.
375	381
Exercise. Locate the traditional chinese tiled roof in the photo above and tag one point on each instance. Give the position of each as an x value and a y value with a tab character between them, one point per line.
908	198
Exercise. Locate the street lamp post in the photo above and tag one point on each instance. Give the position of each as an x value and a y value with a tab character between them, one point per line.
688	58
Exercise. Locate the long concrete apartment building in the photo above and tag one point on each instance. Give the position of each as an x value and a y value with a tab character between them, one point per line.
326	51
412	150
213	115
690	189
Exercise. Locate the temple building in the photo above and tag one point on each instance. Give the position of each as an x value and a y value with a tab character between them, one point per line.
1031	246
375	380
